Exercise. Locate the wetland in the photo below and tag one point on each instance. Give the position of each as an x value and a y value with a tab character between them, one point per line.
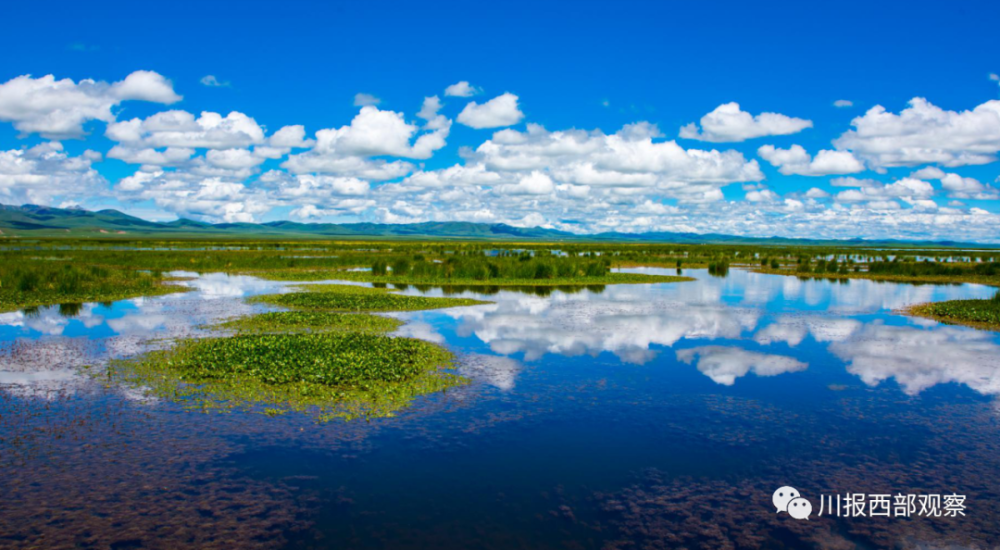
245	396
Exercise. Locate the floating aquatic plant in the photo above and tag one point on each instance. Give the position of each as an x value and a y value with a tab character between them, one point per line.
330	375
312	321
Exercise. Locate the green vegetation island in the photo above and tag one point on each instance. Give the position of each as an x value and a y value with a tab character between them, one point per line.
313	359
981	314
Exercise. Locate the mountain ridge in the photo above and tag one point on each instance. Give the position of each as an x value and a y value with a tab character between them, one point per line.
32	220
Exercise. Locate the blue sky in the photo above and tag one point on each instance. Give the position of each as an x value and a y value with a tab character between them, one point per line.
556	154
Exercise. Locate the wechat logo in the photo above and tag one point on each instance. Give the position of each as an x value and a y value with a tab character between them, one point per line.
787	499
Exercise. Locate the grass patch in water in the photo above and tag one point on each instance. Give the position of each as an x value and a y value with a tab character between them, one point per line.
369	277
984	314
312	321
357	298
329	375
34	284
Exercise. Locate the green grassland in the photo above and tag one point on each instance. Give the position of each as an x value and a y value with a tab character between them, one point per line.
983	314
34	272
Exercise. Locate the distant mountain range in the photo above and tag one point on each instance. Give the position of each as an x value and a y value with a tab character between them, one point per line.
32	220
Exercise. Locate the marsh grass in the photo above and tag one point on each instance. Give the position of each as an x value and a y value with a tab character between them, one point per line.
346	298
327	375
371	277
984	314
312	321
41	283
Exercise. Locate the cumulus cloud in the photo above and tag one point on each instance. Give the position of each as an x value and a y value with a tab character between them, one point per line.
795	160
628	158
58	109
925	134
290	137
495	113
462	89
843	103
373	132
207	198
45	172
728	123
909	189
535	183
183	129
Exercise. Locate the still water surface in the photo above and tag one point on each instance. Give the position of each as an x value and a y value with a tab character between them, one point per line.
633	416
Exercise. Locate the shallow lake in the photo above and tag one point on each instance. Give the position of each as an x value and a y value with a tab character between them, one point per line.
628	416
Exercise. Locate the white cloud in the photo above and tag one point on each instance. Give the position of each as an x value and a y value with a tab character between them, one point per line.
956	186
182	129
212	81
925	134
761	195
843	103
290	137
373	132
627	159
171	156
928	173
495	113
59	108
430	107
233	159
45	172
909	189
535	183
363	99
462	89
728	123
795	160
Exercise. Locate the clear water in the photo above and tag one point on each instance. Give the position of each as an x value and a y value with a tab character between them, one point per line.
633	416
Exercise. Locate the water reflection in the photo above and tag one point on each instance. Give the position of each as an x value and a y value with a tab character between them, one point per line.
41	349
627	416
726	327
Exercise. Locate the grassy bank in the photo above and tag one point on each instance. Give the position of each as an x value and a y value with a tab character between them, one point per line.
956	278
369	277
356	298
983	314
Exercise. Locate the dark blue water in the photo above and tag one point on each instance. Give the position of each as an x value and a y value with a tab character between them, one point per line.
633	416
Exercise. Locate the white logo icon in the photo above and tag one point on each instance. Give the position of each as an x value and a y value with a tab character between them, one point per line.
788	499
800	508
